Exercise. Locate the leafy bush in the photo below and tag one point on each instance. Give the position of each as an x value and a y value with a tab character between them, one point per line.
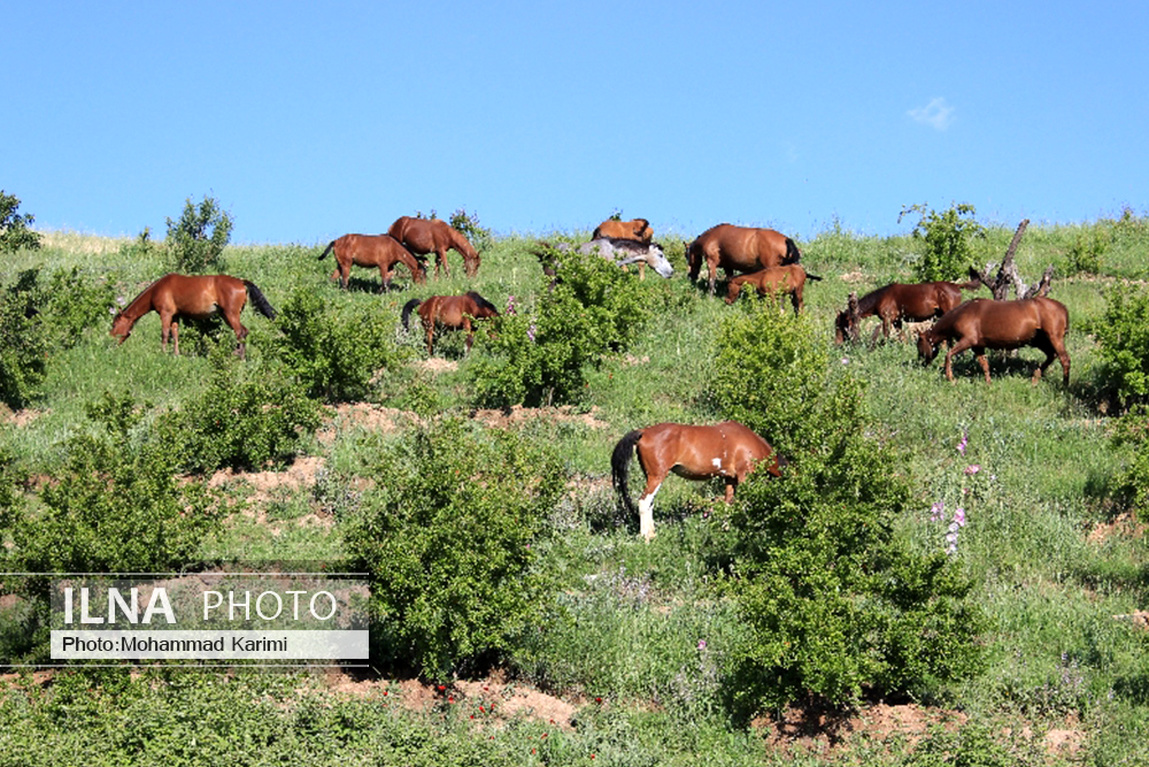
833	602
246	417
14	227
114	506
23	341
75	303
1122	332
334	357
468	225
448	537
542	358
142	247
946	237
197	240
1084	253
1132	481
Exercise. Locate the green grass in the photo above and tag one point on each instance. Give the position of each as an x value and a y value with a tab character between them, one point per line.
636	613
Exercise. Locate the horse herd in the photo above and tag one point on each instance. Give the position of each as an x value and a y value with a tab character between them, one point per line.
768	260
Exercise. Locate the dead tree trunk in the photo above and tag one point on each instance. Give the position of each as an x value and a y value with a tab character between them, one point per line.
1007	273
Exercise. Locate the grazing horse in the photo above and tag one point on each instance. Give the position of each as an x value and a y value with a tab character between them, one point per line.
422	236
738	247
195	297
623	252
776	280
638	230
983	324
899	301
455	312
727	450
381	250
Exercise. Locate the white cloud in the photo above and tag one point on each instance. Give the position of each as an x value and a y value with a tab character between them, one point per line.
938	114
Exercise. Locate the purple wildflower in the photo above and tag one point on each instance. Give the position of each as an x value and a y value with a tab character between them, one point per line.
511	304
531	332
972	469
964	441
936	511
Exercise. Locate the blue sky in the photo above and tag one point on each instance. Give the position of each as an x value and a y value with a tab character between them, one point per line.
310	120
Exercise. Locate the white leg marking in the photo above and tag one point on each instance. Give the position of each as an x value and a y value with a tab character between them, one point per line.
646	514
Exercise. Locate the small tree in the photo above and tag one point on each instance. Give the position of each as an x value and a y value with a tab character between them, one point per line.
947	238
14	232
832	601
197	240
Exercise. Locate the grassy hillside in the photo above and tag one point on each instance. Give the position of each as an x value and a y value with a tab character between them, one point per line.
637	633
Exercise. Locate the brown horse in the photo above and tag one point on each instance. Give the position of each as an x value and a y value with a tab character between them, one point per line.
983	324
455	312
422	236
776	280
195	297
638	230
727	450
899	301
739	248
381	250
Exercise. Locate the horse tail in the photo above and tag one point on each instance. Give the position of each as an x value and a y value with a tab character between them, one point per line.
262	305
793	255
813	277
619	465
407	309
328	249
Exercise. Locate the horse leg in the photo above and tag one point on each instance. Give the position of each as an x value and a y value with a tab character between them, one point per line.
646	506
429	327
470	335
958	348
713	275
384	279
984	362
441	260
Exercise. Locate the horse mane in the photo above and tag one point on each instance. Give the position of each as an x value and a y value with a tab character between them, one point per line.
867	302
482	302
131	310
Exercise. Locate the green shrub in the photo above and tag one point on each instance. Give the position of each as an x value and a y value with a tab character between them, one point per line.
1132	480
1122	332
24	344
333	356
197	240
447	537
468	225
14	227
75	303
1084	253
247	417
946	237
834	604
115	506
543	357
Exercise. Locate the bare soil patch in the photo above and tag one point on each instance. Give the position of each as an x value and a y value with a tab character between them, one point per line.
519	415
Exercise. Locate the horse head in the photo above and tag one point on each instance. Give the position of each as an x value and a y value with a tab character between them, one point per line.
927	347
121	327
844	328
